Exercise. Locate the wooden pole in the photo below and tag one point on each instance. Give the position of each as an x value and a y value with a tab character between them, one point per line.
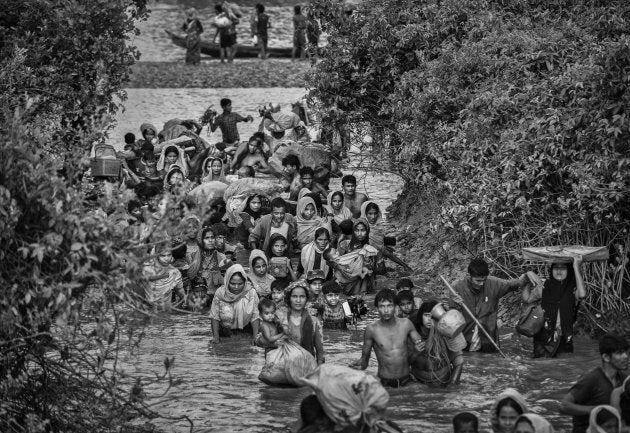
474	318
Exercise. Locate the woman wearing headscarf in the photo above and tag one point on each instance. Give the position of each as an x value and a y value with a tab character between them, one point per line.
234	307
532	423
260	279
506	409
193	28
312	255
559	300
371	264
213	170
336	209
149	134
371	212
176	182
308	221
170	156
604	419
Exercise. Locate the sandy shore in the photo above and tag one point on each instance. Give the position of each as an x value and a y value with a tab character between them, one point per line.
213	74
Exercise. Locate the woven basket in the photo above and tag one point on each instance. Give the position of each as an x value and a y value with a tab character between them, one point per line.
105	167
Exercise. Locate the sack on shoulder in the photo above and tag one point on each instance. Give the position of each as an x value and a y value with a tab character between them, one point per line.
531	321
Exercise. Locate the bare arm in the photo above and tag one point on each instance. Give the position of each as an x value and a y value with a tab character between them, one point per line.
292	273
579	281
568	406
215	331
368	342
415	337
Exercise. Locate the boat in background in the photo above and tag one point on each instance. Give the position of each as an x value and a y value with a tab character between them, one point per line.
242	51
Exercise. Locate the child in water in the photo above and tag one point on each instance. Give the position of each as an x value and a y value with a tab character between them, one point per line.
334	316
270	329
315	305
258	275
279	262
407	284
465	422
405	305
163	279
277	296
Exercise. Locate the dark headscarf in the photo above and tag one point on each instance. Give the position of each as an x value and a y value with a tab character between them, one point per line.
354	242
558	296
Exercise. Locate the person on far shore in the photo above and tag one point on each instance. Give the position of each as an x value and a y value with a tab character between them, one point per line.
596	387
260	27
313	31
351	198
481	294
193	28
299	33
388	336
227	34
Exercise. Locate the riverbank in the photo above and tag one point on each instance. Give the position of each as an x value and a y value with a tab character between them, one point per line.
211	73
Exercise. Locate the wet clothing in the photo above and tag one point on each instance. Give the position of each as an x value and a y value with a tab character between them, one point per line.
558	299
540	424
263	230
262	284
484	305
334	317
308	334
395	383
592	389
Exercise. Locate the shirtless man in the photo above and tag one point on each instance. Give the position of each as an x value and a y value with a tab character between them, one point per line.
351	198
389	337
254	157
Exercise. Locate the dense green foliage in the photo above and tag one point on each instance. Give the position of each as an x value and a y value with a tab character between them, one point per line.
516	111
62	63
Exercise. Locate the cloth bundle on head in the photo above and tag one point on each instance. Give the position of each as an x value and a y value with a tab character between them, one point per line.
282	121
208	191
239	191
349	397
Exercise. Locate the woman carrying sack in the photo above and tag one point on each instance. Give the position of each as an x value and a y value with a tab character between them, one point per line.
560	298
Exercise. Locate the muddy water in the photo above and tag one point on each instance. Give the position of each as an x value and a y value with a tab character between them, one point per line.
219	389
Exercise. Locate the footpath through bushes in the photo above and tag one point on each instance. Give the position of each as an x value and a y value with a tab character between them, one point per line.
510	116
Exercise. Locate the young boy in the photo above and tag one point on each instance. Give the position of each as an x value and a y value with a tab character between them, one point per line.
270	329
406	307
351	198
407	284
465	422
389	336
315	305
227	122
334	316
221	231
277	296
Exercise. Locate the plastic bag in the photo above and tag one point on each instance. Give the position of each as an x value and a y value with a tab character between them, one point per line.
287	365
347	395
351	264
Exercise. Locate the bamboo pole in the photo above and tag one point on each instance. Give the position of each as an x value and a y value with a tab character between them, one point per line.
474	318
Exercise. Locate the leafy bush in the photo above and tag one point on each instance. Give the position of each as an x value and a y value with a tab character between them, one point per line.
518	108
70	271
